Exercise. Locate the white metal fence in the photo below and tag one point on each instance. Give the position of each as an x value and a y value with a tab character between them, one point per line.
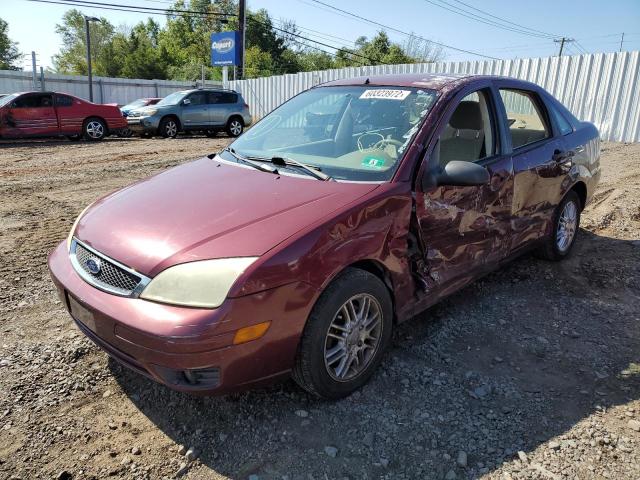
105	89
599	88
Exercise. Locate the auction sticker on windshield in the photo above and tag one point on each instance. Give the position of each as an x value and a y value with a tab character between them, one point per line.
385	94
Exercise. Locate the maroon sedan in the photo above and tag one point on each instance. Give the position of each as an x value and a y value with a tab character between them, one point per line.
348	209
48	114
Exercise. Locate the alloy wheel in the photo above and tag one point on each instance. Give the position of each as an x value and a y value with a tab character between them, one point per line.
235	127
171	128
353	337
567	224
95	129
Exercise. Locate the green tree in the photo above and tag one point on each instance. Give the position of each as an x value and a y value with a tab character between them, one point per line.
9	53
378	50
72	56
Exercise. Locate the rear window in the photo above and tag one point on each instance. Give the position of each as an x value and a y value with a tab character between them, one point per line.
63	101
223	97
563	124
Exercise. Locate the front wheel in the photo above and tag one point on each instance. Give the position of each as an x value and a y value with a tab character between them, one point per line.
235	127
566	222
346	335
168	127
94	129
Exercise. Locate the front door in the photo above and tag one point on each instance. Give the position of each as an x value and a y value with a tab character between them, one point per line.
32	114
195	113
466	229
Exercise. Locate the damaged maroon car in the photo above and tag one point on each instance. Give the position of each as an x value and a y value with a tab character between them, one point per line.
350	208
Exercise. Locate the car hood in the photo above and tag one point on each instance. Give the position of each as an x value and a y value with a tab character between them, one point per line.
207	209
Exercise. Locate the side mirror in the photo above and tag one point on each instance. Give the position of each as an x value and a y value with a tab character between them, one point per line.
186	101
458	173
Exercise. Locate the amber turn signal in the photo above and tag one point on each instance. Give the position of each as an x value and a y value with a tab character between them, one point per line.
253	332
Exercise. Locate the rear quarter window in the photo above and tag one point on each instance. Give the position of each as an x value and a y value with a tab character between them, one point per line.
563	124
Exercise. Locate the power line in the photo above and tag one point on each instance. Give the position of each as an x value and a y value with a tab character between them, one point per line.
457	10
134	8
373	22
484	12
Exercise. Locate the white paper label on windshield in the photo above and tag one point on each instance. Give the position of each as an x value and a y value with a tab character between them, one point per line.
385	94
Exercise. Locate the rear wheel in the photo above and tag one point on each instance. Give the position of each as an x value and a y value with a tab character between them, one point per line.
235	127
125	133
566	223
346	335
94	129
168	127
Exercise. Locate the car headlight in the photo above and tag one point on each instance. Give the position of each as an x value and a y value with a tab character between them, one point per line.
149	112
75	224
204	283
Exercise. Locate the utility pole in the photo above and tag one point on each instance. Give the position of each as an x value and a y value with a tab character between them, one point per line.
33	69
88	42
562	41
242	20
621	41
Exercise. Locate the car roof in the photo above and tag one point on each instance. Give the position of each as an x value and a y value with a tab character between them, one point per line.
433	81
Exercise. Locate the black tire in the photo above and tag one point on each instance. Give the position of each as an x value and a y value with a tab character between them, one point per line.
169	127
235	127
553	248
94	129
211	133
125	133
310	370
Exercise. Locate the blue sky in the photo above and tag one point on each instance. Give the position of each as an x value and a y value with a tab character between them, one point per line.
596	24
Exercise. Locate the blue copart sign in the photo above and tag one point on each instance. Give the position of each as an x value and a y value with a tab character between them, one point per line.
225	48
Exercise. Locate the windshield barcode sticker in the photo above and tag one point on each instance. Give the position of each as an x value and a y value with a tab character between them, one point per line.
385	94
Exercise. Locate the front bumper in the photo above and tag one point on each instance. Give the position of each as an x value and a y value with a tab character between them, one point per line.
171	344
143	124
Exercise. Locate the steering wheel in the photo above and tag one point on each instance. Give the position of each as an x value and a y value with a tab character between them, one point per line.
372	144
387	141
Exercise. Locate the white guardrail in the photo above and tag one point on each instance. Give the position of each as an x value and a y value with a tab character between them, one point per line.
602	88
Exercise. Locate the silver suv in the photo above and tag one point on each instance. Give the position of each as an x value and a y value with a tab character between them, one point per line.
206	110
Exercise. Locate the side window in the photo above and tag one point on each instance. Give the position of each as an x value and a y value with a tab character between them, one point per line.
198	98
222	97
527	122
470	134
563	124
33	101
63	101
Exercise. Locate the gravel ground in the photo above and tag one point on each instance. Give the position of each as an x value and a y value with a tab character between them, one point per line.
531	373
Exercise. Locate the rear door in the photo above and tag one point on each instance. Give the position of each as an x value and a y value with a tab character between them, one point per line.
540	163
70	118
223	105
32	114
196	113
466	229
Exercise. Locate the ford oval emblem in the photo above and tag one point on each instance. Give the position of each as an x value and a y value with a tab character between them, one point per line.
223	46
93	265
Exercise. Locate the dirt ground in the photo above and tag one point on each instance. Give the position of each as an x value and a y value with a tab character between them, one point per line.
530	373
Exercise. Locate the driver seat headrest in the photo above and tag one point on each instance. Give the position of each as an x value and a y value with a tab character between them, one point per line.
467	116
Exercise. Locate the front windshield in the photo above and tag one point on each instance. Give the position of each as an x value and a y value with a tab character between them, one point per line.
135	104
356	133
172	99
7	99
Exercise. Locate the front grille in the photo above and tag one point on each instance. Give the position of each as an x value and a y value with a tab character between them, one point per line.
109	276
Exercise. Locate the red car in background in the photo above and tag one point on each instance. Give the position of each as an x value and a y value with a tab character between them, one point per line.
49	114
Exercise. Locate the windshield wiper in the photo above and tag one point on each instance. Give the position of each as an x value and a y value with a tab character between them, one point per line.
287	162
255	164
